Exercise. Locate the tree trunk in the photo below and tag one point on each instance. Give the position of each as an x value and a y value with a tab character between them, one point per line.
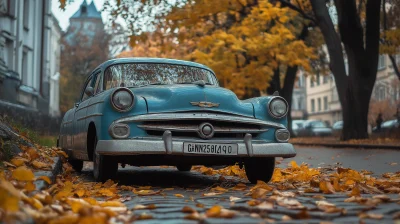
354	89
287	92
275	83
395	67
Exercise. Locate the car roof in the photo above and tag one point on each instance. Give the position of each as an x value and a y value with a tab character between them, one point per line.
108	63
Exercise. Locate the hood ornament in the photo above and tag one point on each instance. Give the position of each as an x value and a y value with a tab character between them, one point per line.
205	104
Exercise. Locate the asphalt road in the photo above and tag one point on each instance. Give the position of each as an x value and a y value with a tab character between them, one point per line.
378	161
193	185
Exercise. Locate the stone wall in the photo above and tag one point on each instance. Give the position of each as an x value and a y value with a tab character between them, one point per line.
30	118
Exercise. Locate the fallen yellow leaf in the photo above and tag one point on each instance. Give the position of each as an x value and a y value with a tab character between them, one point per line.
326	187
30	186
22	173
45	178
214	211
18	162
112	204
40	165
9	196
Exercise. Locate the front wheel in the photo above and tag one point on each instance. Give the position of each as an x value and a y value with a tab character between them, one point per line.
259	169
104	167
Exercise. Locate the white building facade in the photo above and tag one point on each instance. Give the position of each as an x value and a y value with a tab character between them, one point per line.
29	55
322	99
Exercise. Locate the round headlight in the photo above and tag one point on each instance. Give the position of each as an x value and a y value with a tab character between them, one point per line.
122	99
278	107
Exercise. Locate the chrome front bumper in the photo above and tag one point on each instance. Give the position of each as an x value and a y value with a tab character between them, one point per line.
168	146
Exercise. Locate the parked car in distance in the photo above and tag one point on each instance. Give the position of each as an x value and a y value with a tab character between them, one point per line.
297	125
155	111
315	128
337	128
387	126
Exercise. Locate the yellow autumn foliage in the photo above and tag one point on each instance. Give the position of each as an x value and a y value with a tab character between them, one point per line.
244	42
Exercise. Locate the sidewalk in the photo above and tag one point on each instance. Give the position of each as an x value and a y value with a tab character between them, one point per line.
375	143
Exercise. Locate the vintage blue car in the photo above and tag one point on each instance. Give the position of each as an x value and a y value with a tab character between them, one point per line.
154	111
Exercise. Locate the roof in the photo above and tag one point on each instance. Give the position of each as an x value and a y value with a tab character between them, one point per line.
152	60
87	11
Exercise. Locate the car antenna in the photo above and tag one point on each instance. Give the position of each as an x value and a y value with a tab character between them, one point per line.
276	93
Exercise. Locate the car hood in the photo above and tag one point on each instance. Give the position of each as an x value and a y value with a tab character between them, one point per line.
180	98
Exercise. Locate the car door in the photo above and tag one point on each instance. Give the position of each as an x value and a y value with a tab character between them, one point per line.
79	128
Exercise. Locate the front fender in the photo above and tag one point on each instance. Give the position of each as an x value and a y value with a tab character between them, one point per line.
109	114
261	110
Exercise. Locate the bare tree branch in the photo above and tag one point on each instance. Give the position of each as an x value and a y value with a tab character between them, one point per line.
297	9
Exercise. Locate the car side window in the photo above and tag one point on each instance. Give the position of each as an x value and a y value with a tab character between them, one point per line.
98	85
89	83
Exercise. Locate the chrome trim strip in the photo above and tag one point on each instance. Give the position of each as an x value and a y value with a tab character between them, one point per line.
198	116
195	128
91	115
67	122
101	101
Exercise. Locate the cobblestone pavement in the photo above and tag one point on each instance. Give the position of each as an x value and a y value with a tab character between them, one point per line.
193	185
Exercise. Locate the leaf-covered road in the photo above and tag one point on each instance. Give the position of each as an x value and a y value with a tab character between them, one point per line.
297	193
155	194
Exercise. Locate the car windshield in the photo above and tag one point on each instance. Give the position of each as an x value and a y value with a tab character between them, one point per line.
142	74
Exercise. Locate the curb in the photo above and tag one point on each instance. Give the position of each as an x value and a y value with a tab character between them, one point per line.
55	170
359	146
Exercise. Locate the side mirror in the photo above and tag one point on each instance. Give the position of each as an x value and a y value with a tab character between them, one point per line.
89	91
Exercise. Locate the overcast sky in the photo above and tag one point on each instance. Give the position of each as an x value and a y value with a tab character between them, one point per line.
63	16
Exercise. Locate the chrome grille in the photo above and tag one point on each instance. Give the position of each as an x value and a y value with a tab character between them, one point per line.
190	127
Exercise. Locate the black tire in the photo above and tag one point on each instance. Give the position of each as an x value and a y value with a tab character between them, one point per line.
184	168
104	167
76	164
259	169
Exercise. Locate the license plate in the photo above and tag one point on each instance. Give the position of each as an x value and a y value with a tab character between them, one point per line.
210	148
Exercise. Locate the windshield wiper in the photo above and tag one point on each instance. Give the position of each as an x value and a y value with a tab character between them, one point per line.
153	83
198	82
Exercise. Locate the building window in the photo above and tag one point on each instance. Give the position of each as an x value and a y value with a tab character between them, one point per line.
311	82
9	54
11	8
24	68
381	62
83	10
312	105
325	79
300	103
26	14
319	104
325	103
318	80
